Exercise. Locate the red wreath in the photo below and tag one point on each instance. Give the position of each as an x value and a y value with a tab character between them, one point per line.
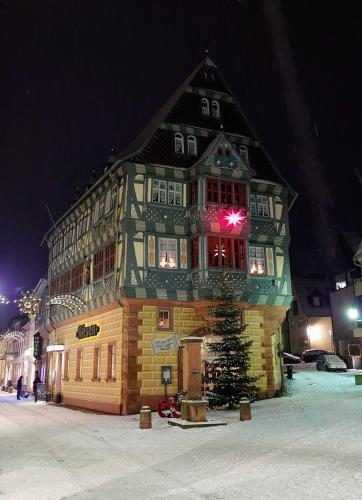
169	409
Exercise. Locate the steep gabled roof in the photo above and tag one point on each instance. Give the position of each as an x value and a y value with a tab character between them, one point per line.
154	143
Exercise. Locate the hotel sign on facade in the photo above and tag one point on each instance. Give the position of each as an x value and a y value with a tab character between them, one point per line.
84	332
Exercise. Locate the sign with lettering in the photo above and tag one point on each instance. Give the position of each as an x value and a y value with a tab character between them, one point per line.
166	344
38	346
85	332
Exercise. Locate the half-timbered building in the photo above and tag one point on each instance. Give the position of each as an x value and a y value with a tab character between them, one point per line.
136	262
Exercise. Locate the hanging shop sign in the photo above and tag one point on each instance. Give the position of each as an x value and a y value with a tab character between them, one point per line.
85	332
167	344
38	346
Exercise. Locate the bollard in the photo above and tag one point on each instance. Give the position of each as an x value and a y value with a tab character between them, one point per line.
245	412
145	418
290	372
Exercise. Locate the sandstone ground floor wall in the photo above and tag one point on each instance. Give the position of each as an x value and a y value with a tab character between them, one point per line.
141	346
89	371
142	371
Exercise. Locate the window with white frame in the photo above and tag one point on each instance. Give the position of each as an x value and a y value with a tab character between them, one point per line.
168	253
256	260
259	205
107	206
179	143
96	212
114	190
243	151
205	107
174	193
166	192
102	202
159	191
191	145
215	109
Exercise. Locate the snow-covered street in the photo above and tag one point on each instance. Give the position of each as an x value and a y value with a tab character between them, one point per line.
307	445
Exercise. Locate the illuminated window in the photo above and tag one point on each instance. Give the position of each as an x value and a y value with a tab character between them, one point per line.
226	252
340	285
167	253
179	143
163	318
205	108
259	205
215	109
195	252
174	193
256	260
97	363
191	145
159	190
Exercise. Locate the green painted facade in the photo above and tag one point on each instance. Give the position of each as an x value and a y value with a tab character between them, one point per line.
137	222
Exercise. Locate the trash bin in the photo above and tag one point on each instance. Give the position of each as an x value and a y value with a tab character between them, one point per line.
47	397
58	398
290	372
358	379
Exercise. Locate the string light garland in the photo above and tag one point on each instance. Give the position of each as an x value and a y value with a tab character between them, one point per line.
67	300
28	304
3	300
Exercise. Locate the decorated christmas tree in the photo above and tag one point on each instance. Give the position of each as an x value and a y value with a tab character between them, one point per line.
229	379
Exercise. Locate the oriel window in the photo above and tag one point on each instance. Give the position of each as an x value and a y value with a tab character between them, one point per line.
159	191
257	260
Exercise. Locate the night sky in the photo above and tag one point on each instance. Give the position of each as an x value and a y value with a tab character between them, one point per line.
79	78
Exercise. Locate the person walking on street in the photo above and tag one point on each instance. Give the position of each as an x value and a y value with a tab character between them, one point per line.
37	380
19	387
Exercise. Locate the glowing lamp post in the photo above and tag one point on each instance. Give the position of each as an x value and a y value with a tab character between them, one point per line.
352	313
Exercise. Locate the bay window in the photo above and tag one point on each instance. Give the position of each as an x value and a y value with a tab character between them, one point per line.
225	192
226	252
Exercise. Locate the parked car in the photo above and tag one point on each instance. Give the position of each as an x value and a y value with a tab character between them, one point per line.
289	359
331	362
311	355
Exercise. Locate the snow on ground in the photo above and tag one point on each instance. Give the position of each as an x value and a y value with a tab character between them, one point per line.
307	445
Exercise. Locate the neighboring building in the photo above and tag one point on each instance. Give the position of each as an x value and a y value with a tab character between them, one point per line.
346	301
16	353
135	263
309	318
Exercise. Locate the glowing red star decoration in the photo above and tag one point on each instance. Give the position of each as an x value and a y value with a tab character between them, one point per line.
234	218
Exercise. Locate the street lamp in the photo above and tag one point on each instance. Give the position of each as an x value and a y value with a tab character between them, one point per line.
352	313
